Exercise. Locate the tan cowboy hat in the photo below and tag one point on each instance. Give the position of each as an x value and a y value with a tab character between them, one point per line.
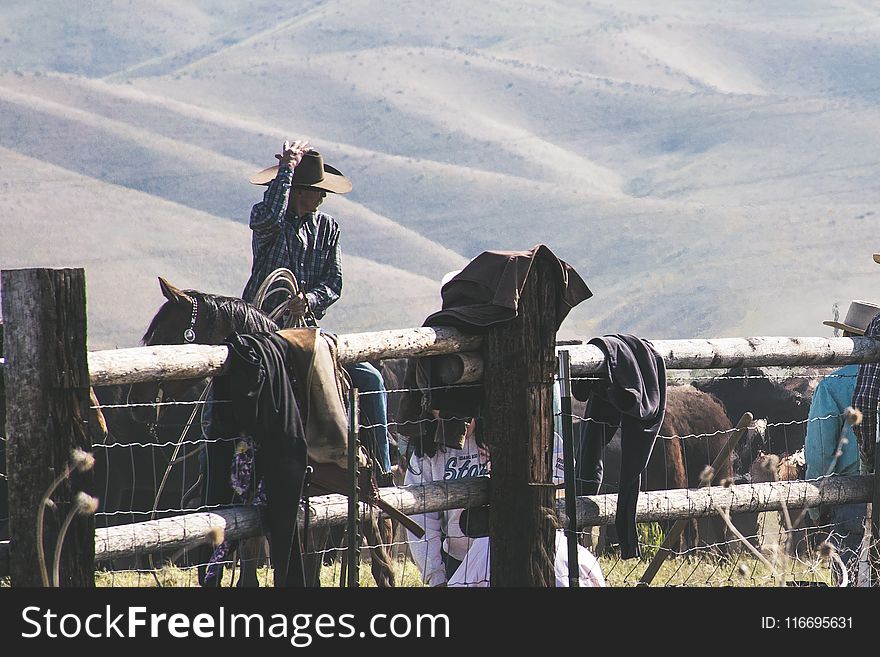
310	172
877	258
857	318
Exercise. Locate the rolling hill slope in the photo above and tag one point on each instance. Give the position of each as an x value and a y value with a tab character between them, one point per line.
125	239
709	170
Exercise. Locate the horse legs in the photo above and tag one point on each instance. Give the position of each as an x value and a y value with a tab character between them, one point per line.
251	551
378	535
313	554
214	463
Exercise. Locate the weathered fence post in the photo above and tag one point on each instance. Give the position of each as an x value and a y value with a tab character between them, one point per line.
519	364
47	402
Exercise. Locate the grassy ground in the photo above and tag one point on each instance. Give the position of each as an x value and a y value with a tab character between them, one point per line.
702	568
406	572
702	571
706	569
681	571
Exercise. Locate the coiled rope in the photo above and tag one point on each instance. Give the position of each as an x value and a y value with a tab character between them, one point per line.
283	280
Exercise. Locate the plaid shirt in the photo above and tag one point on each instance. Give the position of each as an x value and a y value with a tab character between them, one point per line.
865	398
308	246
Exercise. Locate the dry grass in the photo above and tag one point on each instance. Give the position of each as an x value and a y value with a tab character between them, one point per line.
172	576
705	568
700	571
706	571
678	572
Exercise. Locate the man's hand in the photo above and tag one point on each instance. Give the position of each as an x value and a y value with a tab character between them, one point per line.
291	154
297	305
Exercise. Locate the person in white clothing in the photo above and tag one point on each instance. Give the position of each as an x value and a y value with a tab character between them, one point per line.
446	556
474	571
444	545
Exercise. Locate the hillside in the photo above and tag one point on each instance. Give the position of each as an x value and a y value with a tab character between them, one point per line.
708	171
125	239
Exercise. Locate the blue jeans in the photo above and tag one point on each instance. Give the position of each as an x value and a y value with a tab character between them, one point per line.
373	402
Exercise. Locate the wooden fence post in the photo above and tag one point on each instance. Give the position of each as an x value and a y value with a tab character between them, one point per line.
519	365
47	402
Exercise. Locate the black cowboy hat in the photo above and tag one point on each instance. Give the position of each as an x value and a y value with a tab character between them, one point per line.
310	172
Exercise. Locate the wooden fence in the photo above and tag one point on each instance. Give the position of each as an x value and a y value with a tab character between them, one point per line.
48	372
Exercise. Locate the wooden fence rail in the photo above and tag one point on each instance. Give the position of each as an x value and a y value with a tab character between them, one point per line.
653	506
136	364
723	353
194	529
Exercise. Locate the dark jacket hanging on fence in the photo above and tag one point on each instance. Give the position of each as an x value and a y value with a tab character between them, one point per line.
263	405
631	396
486	292
488	289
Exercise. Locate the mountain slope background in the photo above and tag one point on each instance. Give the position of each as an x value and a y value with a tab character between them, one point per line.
710	171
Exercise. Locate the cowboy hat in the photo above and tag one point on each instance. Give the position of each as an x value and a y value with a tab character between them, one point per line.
858	316
310	172
877	258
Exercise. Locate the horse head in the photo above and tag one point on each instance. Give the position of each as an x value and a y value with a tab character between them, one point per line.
189	317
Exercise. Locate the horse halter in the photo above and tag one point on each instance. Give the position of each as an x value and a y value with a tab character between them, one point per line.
189	335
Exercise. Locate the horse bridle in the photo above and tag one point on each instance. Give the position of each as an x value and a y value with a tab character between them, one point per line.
189	335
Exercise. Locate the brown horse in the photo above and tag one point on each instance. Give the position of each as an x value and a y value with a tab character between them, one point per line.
198	317
695	428
697	421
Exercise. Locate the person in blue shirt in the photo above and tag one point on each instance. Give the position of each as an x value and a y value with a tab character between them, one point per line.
831	447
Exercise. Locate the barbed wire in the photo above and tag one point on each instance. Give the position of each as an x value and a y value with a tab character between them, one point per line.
726	377
198	509
451	386
364	545
207	402
422	421
170	443
194	402
753	425
147	572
